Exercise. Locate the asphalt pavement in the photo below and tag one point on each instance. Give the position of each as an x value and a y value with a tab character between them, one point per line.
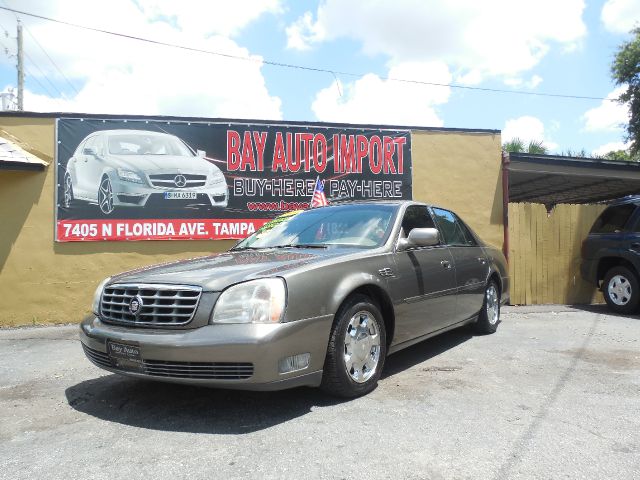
555	393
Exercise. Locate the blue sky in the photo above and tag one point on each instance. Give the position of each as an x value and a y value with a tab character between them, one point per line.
545	46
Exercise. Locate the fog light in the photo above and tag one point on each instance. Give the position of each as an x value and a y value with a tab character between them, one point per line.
294	363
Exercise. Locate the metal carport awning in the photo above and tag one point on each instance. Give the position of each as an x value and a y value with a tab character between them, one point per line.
551	180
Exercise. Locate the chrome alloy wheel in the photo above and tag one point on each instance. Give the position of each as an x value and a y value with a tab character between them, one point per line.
362	346
492	302
619	290
105	197
68	191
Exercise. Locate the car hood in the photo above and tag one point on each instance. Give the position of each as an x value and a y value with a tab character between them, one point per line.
216	272
162	163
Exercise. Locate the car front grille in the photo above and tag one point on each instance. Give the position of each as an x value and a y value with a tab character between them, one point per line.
168	180
158	305
194	370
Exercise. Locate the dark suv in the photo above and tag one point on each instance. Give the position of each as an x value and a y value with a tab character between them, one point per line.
611	255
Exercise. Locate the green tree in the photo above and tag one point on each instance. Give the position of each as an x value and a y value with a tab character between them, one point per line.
621	155
517	145
625	70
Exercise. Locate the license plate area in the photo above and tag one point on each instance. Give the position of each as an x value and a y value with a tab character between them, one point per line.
180	195
125	356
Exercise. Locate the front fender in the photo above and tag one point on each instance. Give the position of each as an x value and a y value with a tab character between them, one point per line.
321	291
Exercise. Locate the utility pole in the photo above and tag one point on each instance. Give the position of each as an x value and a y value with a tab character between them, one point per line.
20	69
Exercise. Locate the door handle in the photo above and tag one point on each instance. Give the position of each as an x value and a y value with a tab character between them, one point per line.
482	260
635	245
445	264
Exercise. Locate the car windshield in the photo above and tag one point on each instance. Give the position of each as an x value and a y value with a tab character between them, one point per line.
362	226
141	144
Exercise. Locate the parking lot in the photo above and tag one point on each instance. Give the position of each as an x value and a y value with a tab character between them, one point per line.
554	394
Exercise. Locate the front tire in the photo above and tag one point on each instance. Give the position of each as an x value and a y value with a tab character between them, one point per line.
357	349
489	316
105	196
621	290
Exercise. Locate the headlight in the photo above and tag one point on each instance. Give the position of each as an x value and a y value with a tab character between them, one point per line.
216	177
98	295
129	176
256	301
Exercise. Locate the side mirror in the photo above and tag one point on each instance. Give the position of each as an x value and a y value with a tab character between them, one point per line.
201	153
90	151
420	237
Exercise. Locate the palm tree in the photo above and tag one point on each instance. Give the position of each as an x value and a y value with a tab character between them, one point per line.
517	145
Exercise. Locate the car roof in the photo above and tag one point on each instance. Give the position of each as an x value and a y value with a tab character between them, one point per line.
626	200
335	203
391	202
124	131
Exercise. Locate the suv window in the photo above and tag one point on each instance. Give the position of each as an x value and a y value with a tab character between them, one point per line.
452	228
613	219
416	216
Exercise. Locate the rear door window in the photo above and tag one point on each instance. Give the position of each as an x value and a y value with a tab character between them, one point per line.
452	229
613	219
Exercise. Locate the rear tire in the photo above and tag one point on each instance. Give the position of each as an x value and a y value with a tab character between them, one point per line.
489	316
357	349
621	290
68	200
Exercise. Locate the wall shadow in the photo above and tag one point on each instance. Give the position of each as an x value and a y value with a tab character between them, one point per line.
20	191
579	291
180	408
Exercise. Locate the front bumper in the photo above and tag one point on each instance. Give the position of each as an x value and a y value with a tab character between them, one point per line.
180	353
128	194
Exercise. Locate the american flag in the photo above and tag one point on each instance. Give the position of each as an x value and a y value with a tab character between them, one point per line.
319	199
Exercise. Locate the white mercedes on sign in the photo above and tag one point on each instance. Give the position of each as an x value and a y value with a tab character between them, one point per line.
139	168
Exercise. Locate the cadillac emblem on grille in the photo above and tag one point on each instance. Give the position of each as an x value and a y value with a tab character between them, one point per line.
180	181
135	305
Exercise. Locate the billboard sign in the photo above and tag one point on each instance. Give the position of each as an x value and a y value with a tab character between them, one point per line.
143	179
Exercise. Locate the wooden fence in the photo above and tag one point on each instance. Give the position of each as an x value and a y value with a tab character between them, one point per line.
544	254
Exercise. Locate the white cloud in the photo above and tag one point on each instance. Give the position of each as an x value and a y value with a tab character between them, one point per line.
117	75
303	32
493	37
223	18
610	147
620	16
518	82
608	116
527	128
372	99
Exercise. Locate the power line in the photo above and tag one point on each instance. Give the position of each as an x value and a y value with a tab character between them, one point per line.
33	77
35	65
73	87
45	76
299	67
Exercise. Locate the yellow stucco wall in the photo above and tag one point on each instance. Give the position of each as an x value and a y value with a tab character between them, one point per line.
46	282
461	171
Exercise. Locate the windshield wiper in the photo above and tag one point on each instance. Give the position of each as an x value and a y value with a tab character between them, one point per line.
300	245
246	248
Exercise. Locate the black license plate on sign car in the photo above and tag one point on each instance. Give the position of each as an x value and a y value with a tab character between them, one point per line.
121	351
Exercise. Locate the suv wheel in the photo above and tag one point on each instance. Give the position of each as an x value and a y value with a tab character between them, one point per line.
621	290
